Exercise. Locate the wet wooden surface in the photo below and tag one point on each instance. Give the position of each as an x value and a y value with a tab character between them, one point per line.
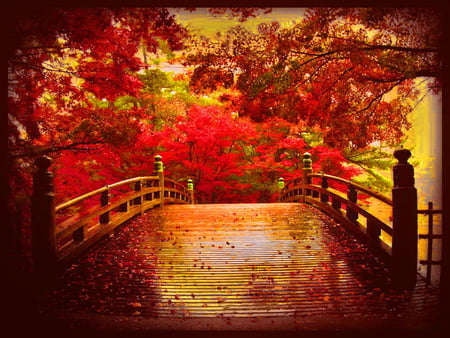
235	266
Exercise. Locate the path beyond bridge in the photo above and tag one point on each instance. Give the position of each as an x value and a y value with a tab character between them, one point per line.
278	266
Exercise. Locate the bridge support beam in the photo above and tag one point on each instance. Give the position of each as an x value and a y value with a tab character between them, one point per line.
43	221
405	232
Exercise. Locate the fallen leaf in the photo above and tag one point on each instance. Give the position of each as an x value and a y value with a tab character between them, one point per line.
135	304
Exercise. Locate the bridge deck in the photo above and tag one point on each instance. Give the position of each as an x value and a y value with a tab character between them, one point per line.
237	266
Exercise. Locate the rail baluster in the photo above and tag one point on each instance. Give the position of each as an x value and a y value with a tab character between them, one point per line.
373	231
352	196
138	187
323	196
335	203
123	207
104	200
148	196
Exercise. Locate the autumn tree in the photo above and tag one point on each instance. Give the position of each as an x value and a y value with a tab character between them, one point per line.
66	60
83	86
67	69
206	145
349	71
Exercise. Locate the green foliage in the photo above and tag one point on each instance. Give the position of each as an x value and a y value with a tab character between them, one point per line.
374	180
377	164
154	80
126	102
166	49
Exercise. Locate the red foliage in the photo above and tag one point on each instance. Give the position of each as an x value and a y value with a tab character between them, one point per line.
206	145
71	69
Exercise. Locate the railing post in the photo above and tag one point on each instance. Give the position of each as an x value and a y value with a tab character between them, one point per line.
159	171
123	207
405	232
324	185
43	219
137	187
147	184
307	169
190	188
430	240
104	200
352	196
280	187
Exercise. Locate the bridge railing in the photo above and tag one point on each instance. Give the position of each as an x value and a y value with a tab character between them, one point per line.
343	206
63	232
396	243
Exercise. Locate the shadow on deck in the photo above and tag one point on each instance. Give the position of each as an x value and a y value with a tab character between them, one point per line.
233	267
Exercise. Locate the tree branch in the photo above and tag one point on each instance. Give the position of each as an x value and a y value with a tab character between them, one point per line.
72	146
401	49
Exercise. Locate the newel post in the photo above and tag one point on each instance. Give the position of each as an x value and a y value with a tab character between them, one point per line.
159	171
190	188
404	214
43	219
280	187
307	169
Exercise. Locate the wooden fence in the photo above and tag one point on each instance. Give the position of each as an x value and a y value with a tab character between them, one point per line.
430	260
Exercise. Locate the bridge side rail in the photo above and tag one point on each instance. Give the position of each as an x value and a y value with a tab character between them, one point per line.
63	232
396	243
344	207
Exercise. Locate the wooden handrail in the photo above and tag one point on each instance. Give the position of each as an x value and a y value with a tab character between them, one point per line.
100	190
357	186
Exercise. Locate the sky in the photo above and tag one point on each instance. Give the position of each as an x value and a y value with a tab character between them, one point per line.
201	20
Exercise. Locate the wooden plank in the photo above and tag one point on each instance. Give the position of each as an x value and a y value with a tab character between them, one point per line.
274	261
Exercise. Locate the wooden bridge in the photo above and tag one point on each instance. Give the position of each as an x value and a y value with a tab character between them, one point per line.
276	266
